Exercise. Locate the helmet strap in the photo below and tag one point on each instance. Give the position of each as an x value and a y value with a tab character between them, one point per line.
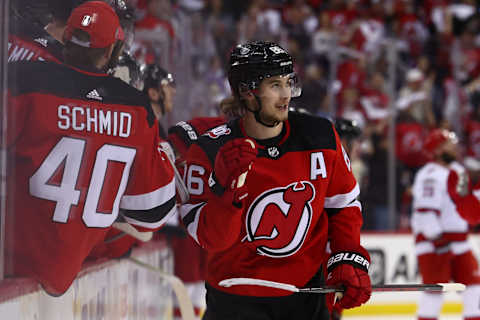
256	113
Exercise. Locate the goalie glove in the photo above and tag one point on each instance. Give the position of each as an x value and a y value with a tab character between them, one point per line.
232	163
350	270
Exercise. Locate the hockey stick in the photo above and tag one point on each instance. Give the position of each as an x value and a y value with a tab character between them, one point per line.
179	184
439	287
184	301
130	230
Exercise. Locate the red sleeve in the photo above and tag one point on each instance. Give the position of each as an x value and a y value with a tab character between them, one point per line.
469	207
179	146
342	206
212	224
149	198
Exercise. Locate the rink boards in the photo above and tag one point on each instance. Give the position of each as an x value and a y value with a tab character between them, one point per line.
393	261
113	290
122	290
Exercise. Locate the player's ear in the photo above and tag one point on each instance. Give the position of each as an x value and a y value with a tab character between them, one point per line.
153	94
245	93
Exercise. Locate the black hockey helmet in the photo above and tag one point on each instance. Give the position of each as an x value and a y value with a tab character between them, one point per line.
129	70
347	129
156	75
252	62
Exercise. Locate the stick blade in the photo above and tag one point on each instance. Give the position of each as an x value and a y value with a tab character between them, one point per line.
257	282
449	287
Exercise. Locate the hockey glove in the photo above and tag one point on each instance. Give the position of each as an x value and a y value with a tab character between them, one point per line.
350	270
458	185
232	163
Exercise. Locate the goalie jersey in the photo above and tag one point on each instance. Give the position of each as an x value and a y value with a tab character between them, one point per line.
301	193
82	150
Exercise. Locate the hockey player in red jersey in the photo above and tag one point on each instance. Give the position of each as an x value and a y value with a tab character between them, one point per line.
189	258
36	27
160	88
267	191
441	245
82	150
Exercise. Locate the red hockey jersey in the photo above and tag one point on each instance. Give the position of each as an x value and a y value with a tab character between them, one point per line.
82	149
189	258
185	133
301	193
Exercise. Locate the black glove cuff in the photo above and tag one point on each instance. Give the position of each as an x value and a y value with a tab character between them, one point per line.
353	258
215	185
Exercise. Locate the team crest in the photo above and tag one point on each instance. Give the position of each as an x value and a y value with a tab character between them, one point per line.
86	20
219	131
278	220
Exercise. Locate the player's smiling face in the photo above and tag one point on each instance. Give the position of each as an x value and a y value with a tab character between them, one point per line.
275	94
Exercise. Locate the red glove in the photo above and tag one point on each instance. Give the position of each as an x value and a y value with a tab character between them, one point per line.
350	270
232	163
458	185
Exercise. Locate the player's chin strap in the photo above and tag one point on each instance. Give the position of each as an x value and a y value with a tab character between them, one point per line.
256	113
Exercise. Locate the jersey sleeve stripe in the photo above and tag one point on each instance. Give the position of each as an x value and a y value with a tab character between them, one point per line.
149	200
153	218
355	203
427	210
342	200
190	214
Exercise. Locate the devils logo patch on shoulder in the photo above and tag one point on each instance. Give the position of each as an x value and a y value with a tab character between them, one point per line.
278	219
215	133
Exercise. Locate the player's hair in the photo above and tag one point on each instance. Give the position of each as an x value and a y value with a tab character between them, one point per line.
82	56
232	107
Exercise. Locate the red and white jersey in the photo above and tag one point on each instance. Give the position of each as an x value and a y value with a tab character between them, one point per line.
434	212
301	193
82	147
469	206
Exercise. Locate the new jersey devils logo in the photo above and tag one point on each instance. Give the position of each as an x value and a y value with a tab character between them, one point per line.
278	219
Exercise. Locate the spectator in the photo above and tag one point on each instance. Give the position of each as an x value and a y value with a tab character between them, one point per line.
156	28
415	100
374	100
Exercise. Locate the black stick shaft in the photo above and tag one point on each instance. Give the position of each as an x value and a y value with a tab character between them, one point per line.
379	288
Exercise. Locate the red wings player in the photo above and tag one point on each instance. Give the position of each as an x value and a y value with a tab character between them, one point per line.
440	232
267	191
83	149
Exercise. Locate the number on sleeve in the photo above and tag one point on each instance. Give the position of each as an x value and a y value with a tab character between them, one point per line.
195	183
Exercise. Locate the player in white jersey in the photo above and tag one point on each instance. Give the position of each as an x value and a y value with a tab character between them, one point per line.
441	245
